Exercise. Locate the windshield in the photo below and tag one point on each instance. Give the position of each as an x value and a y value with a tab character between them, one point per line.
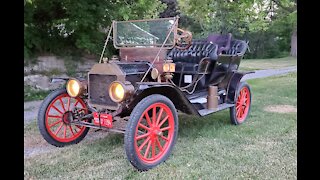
144	33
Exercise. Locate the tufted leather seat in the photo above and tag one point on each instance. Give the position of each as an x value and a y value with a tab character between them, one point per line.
238	47
197	51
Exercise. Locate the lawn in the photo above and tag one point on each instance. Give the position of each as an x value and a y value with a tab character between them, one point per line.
258	64
264	147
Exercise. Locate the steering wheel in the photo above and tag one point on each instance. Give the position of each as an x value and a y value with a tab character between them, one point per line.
184	39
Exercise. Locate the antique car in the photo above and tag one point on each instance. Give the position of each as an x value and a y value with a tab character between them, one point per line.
159	71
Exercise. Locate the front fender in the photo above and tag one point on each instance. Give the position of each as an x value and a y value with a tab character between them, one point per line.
177	97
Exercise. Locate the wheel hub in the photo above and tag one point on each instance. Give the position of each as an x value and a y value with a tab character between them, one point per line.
67	117
155	131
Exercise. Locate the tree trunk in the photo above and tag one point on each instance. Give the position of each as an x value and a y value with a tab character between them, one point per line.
294	43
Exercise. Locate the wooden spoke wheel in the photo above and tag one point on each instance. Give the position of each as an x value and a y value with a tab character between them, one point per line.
239	113
55	115
151	132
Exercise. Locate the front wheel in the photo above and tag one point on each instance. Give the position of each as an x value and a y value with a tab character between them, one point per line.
54	118
240	112
151	132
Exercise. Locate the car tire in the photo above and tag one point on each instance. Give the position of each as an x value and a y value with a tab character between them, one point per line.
51	132
243	99
149	140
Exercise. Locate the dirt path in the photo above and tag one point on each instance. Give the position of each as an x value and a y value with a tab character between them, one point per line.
36	145
31	110
269	72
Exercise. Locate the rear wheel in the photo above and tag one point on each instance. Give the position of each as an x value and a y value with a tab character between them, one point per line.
54	118
240	112
149	140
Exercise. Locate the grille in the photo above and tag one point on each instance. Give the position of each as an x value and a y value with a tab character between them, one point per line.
98	89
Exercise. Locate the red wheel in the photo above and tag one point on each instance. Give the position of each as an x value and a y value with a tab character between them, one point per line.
240	111
151	132
54	117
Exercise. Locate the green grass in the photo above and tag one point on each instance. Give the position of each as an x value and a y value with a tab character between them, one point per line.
264	147
258	64
31	94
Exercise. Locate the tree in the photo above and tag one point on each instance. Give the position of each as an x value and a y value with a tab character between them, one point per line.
63	26
256	21
290	7
171	10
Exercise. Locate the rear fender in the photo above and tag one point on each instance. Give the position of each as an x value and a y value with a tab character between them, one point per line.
177	97
233	85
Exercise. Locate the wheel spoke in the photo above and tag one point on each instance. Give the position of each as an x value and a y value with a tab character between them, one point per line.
144	143
153	153
147	150
164	138
142	136
159	144
65	131
159	116
241	93
68	104
238	112
75	105
148	119
79	127
243	110
144	127
71	130
57	109
164	120
55	123
62	104
154	115
166	128
52	116
57	131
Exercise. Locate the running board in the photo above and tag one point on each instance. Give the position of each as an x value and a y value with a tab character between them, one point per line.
204	112
200	100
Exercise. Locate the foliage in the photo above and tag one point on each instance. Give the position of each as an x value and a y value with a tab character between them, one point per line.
171	10
62	26
31	94
266	24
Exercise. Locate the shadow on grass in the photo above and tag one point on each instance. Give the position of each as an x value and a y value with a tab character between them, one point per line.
110	141
193	126
189	127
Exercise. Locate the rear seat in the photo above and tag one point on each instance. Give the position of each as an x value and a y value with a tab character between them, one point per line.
197	51
211	47
238	47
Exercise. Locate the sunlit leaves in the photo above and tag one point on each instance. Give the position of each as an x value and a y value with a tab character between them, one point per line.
78	24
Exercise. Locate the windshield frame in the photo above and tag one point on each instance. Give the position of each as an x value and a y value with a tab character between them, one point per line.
163	45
